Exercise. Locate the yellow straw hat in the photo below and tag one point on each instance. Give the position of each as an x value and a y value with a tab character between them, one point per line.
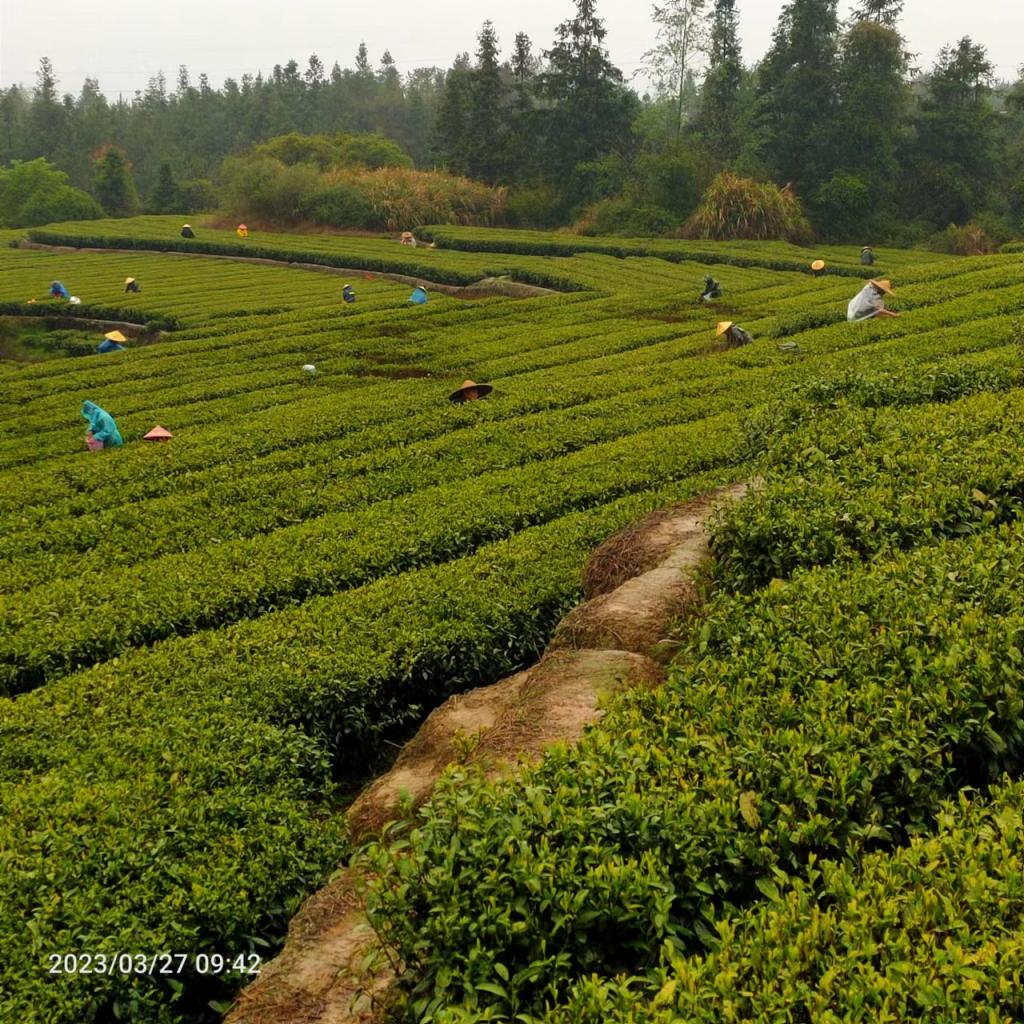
467	385
723	327
115	336
885	286
128	280
818	265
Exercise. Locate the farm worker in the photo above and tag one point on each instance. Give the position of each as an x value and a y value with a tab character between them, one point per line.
58	291
348	293
469	392
102	427
712	289
867	256
131	285
187	232
818	268
870	301
242	231
408	239
418	297
735	336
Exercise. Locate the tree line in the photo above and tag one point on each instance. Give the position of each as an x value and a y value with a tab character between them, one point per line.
872	145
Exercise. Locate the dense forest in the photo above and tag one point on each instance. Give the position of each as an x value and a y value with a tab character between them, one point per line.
871	144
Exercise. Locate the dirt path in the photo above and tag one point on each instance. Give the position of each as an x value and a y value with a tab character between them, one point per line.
638	584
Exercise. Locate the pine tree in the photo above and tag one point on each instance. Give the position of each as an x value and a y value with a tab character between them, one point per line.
720	116
113	186
47	116
486	130
590	113
955	158
797	95
166	196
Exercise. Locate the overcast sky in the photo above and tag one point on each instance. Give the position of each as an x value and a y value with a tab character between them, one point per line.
124	44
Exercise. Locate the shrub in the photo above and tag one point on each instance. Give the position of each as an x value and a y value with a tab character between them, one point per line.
537	207
963	240
37	193
734	208
622	217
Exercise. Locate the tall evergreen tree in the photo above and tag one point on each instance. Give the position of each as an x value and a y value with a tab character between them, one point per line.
720	115
452	131
590	113
47	118
487	124
954	159
113	185
798	95
166	196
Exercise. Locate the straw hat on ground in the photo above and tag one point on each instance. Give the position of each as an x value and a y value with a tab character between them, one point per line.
818	265
723	327
460	395
885	286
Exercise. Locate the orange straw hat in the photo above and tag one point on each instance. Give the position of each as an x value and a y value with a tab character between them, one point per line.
818	265
723	327
459	395
885	286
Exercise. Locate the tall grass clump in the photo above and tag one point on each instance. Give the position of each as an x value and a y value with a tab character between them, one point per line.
734	208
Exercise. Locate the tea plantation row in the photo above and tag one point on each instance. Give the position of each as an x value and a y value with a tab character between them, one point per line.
224	633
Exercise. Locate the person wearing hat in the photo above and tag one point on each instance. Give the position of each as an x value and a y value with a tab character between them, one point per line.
102	428
348	294
712	289
58	291
187	232
869	302
408	238
469	392
734	335
818	268
867	256
242	231
418	297
131	285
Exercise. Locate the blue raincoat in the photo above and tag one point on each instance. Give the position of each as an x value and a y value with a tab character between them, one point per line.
102	425
418	297
58	291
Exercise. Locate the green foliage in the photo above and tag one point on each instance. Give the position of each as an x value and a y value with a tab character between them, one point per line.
733	208
843	208
37	193
623	217
112	184
166	196
963	240
370	150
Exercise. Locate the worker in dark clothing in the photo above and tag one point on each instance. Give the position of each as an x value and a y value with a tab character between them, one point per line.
187	232
348	294
712	289
867	256
733	335
131	285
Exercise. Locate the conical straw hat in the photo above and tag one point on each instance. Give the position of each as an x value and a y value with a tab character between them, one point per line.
115	336
723	327
128	280
818	265
886	286
457	395
158	433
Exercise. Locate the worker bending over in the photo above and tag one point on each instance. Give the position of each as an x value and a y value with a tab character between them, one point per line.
869	302
102	427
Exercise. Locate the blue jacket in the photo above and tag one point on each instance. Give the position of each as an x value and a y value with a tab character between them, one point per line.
102	425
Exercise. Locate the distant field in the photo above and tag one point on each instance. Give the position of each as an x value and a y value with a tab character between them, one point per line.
205	645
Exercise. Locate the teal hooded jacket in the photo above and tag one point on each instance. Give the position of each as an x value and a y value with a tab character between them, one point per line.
102	425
